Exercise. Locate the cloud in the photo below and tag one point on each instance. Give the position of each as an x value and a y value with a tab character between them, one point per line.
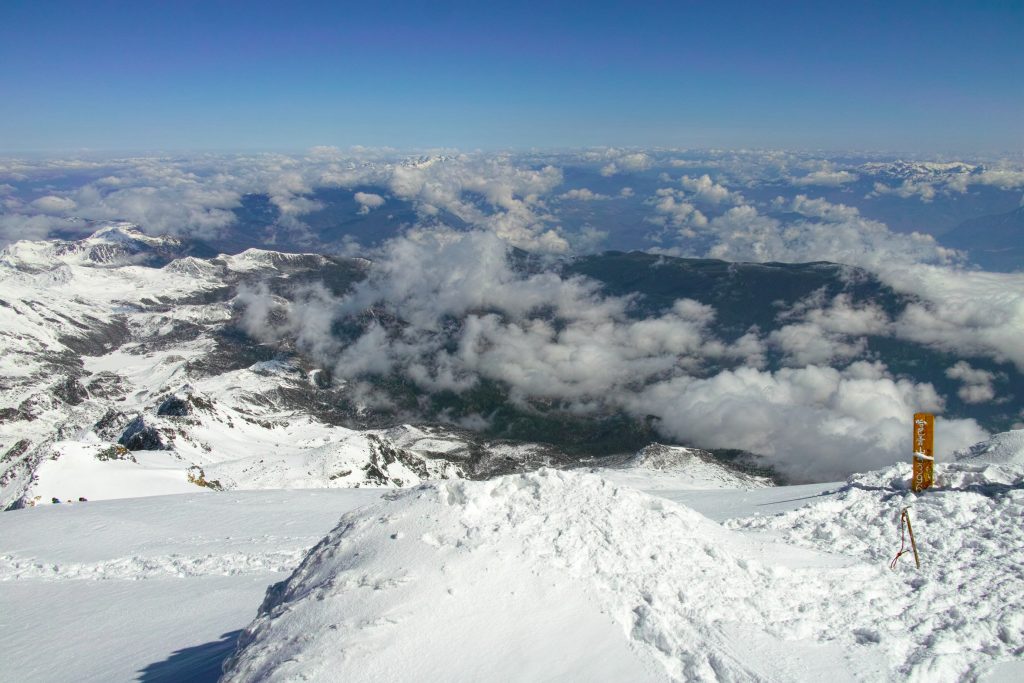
977	384
826	334
368	201
829	232
924	190
813	422
928	179
466	314
447	309
706	190
674	211
583	195
14	227
512	196
197	196
54	204
626	163
961	311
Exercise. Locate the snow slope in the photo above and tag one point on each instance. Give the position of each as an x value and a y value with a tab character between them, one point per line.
564	575
676	467
1004	448
965	608
150	588
170	581
551	573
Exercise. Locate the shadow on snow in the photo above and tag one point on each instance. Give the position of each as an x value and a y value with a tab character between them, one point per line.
197	664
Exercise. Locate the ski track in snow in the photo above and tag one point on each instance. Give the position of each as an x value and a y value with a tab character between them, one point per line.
138	568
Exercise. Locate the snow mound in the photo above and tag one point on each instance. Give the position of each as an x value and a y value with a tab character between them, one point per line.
550	575
1007	447
961	612
697	467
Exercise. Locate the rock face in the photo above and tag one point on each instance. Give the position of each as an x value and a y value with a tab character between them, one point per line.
138	436
174	407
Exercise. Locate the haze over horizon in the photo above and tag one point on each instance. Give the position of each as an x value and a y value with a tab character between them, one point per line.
918	77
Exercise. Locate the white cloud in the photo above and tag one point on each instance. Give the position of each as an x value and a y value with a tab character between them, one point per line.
965	312
14	227
813	422
630	162
977	384
583	195
468	315
826	334
368	201
54	204
833	232
708	191
909	188
512	194
675	211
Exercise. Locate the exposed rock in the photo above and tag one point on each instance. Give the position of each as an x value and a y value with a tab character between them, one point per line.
174	407
115	452
71	391
14	415
197	476
106	385
19	448
382	454
138	436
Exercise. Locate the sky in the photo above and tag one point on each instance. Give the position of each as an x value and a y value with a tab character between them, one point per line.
926	77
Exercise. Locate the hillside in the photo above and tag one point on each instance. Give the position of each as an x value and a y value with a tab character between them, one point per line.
995	242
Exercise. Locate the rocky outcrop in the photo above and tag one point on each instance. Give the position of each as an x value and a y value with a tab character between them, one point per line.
138	436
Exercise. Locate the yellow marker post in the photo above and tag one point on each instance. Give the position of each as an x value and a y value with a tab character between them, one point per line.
924	451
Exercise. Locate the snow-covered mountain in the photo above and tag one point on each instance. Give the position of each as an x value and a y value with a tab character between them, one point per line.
1003	448
918	170
124	374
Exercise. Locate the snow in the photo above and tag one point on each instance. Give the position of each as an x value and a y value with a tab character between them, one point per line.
962	610
674	467
1005	448
670	566
146	588
482	564
123	337
76	471
550	575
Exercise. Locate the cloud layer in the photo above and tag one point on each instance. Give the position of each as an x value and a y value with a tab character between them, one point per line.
447	309
444	307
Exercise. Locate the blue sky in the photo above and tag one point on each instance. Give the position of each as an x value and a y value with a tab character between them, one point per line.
925	77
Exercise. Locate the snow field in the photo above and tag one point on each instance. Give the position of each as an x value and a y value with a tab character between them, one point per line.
153	588
551	575
411	583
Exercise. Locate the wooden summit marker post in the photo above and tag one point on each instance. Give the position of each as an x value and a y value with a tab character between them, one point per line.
924	451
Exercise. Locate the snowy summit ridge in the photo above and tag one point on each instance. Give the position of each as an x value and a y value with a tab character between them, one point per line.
650	589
